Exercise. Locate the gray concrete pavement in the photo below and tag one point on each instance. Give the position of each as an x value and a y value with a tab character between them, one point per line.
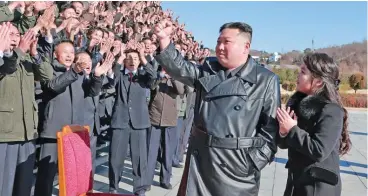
353	168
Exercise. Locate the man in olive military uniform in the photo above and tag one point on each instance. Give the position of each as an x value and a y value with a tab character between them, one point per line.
18	108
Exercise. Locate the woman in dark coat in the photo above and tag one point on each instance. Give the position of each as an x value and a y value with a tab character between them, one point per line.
313	128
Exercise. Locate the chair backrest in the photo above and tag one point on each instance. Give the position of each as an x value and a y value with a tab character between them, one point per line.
74	160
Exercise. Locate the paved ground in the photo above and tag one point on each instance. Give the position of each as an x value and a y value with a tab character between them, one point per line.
353	169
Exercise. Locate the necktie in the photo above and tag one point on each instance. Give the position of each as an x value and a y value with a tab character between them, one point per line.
130	76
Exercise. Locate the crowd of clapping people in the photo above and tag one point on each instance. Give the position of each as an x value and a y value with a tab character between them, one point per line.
90	63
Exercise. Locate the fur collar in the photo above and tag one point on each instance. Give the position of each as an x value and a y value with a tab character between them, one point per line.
306	107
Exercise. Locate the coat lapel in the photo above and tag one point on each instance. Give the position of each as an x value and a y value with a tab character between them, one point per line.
230	87
216	84
210	82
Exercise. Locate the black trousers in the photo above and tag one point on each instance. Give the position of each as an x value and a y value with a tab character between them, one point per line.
47	167
16	167
178	129
93	146
165	139
185	135
120	140
93	135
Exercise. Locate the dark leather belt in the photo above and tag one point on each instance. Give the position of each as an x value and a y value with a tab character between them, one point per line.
230	143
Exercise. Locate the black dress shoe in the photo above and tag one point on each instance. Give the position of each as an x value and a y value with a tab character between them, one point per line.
166	186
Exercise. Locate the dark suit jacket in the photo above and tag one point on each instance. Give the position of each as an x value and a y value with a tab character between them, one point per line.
91	109
132	107
64	98
106	100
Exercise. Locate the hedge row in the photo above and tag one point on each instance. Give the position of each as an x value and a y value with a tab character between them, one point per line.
348	100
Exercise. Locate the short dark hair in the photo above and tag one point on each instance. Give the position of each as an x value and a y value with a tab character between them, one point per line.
146	38
131	51
80	53
62	42
66	6
241	26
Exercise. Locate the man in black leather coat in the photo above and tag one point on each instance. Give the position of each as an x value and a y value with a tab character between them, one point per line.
234	132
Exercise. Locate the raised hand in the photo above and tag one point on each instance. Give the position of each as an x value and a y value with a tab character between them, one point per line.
116	48
26	41
109	19
42	5
83	25
287	120
145	29
45	20
140	48
106	46
33	47
4	36
15	4
122	54
92	6
130	44
80	65
163	29
106	65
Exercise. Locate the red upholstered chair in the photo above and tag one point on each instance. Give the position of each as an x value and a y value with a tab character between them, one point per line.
75	162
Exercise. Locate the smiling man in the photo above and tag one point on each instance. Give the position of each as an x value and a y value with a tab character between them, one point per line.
234	132
64	97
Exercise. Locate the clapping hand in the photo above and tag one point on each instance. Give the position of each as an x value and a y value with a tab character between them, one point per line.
106	65
4	36
163	29
26	40
140	49
287	120
80	65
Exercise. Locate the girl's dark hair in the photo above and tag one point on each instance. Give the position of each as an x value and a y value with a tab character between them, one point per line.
322	66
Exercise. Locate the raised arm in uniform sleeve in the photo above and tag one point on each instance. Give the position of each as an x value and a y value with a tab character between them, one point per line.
26	23
268	126
6	15
42	68
178	68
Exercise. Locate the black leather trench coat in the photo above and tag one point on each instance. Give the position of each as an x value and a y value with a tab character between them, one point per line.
235	126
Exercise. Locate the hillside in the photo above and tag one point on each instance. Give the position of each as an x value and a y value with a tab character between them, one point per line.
350	57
